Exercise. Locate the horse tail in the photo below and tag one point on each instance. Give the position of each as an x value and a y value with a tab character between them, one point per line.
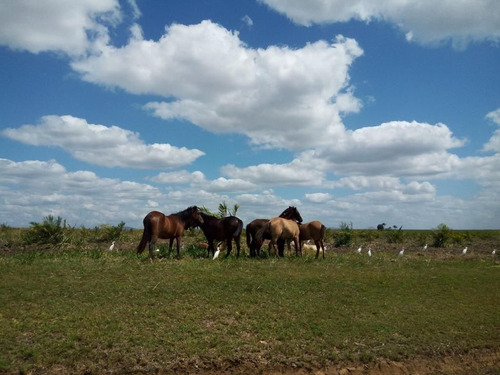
248	236
238	230
259	236
146	235
322	232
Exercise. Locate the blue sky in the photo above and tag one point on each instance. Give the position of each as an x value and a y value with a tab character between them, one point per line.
356	112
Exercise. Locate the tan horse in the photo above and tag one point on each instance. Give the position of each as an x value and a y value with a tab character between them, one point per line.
281	230
314	230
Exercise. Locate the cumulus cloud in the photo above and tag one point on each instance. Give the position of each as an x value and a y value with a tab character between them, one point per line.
278	97
101	145
198	180
318	197
291	174
34	189
423	21
494	142
72	27
394	148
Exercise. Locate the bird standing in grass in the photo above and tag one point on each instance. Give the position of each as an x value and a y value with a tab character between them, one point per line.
359	249
112	246
401	253
464	251
493	252
425	247
369	251
216	255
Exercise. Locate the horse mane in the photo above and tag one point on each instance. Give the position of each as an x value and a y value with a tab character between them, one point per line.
185	215
289	213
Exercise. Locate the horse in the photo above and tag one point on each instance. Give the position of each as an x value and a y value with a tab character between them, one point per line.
253	227
314	230
158	225
281	229
226	229
381	226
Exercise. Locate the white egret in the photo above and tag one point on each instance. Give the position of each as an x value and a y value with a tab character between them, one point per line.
359	249
216	255
493	252
464	251
370	251
425	247
401	253
112	246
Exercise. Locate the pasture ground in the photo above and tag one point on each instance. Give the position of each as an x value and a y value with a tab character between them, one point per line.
81	309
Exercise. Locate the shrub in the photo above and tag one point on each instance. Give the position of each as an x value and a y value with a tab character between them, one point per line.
50	231
345	236
441	236
109	233
394	236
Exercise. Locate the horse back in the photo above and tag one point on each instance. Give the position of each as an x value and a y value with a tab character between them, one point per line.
283	228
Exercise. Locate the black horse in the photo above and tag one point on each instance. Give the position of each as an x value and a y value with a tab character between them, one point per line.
226	229
253	227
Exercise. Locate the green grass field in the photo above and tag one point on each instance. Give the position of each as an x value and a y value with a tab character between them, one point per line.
92	311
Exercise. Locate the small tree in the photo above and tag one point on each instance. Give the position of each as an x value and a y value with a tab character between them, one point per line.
50	231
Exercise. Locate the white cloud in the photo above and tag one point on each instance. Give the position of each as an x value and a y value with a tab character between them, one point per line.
494	142
101	145
247	20
278	97
291	174
198	180
422	21
318	197
396	148
72	27
34	189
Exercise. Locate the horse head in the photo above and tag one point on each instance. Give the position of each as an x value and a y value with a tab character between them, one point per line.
292	213
195	218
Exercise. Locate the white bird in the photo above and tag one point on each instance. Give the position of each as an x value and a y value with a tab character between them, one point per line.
157	250
402	252
425	247
493	252
464	251
217	253
359	249
370	251
112	246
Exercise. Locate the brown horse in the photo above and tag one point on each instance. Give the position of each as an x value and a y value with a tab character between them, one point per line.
157	225
226	229
281	229
253	227
314	230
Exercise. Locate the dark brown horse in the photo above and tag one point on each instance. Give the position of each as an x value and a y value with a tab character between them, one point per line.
253	227
226	229
281	230
314	230
157	225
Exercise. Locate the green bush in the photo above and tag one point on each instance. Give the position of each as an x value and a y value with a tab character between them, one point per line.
50	231
345	236
108	233
394	236
442	236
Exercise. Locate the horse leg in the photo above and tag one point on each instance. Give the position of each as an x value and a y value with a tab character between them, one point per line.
298	249
238	246
229	245
151	246
210	247
170	246
317	249
178	242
